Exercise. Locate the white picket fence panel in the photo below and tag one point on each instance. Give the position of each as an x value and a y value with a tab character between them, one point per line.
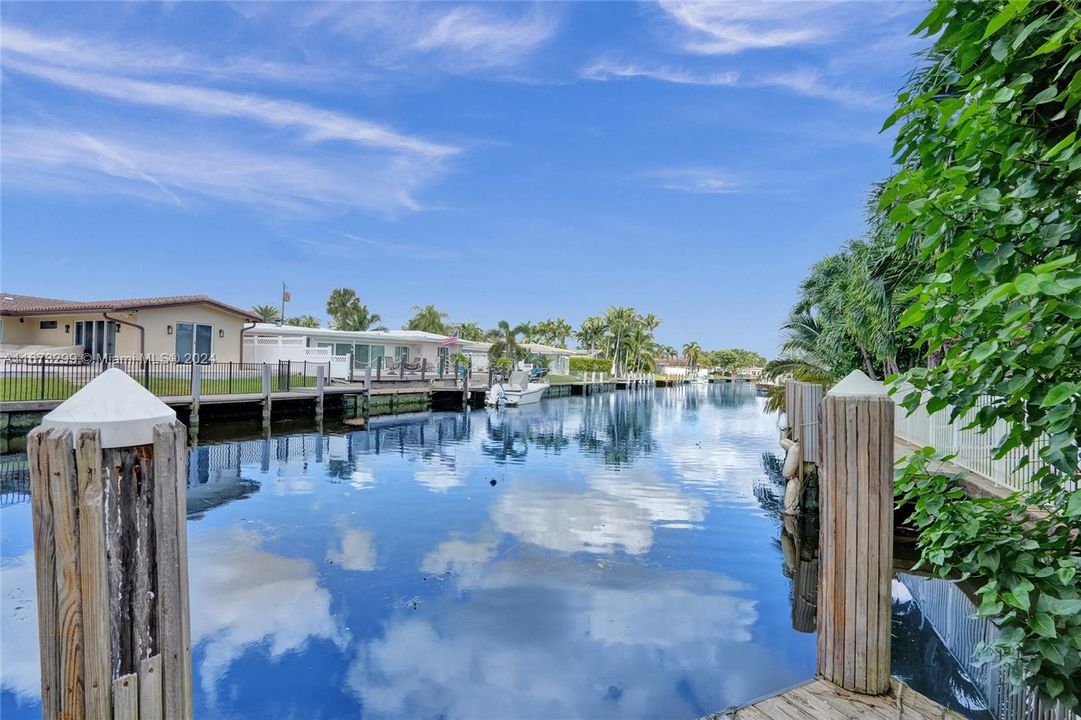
973	448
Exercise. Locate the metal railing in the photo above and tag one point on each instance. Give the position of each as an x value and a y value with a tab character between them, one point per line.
973	447
40	379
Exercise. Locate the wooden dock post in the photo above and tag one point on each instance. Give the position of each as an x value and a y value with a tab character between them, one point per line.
266	392
320	387
196	395
856	536
108	474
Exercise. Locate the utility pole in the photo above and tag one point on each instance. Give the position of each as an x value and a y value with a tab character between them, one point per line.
285	299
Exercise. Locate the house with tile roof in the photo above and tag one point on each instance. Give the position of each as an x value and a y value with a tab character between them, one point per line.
182	327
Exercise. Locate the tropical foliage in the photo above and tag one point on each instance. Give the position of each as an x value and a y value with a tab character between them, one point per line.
468	331
268	313
586	364
305	321
348	313
988	191
551	332
505	348
428	319
967	285
695	356
624	336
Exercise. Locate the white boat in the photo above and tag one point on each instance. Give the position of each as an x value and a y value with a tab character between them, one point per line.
516	391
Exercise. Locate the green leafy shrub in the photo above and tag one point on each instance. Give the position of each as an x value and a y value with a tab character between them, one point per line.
583	364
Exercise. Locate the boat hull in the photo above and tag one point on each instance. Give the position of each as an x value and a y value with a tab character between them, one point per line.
515	397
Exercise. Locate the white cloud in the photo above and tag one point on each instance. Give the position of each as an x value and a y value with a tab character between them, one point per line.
313	124
427	36
600	640
806	81
617	512
355	551
248	596
135	57
607	69
812	82
696	180
483	38
726	28
160	169
19	653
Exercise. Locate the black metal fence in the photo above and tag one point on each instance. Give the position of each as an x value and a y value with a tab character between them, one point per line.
30	379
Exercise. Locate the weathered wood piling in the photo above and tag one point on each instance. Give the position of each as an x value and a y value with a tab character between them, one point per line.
856	536
108	494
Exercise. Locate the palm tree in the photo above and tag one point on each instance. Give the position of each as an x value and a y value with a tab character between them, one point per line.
469	331
528	331
695	356
347	312
620	322
427	319
306	321
591	333
559	331
505	342
268	313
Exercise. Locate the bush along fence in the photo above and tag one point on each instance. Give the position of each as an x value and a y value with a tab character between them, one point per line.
41	379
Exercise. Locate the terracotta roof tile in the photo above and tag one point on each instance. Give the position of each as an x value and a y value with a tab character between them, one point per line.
11	304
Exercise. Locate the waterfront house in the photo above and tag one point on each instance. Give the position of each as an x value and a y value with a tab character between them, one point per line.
674	368
559	359
180	327
268	342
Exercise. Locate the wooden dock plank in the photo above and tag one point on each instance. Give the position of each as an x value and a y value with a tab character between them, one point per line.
822	700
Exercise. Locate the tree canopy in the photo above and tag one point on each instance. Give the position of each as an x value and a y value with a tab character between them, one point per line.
267	313
428	319
348	313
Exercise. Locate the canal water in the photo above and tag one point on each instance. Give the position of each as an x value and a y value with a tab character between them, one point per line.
612	556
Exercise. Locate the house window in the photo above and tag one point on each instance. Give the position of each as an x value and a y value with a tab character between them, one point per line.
378	351
47	325
361	355
401	352
342	348
194	342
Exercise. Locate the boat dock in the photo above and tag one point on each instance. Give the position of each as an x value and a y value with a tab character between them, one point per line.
820	699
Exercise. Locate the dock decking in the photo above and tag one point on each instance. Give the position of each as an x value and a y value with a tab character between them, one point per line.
822	700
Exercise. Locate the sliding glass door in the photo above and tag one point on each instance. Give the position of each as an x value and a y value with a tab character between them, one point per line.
194	342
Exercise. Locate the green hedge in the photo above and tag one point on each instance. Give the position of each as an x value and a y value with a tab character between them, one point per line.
583	364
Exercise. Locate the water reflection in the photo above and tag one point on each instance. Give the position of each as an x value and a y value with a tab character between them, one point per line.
588	557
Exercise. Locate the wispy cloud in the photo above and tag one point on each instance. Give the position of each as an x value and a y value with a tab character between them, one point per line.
806	81
709	181
354	246
812	82
320	158
609	69
314	124
101	54
165	169
726	28
440	37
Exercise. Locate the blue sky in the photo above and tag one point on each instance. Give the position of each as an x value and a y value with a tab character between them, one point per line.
502	161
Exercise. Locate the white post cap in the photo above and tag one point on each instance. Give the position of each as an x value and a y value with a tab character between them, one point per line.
856	384
116	405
